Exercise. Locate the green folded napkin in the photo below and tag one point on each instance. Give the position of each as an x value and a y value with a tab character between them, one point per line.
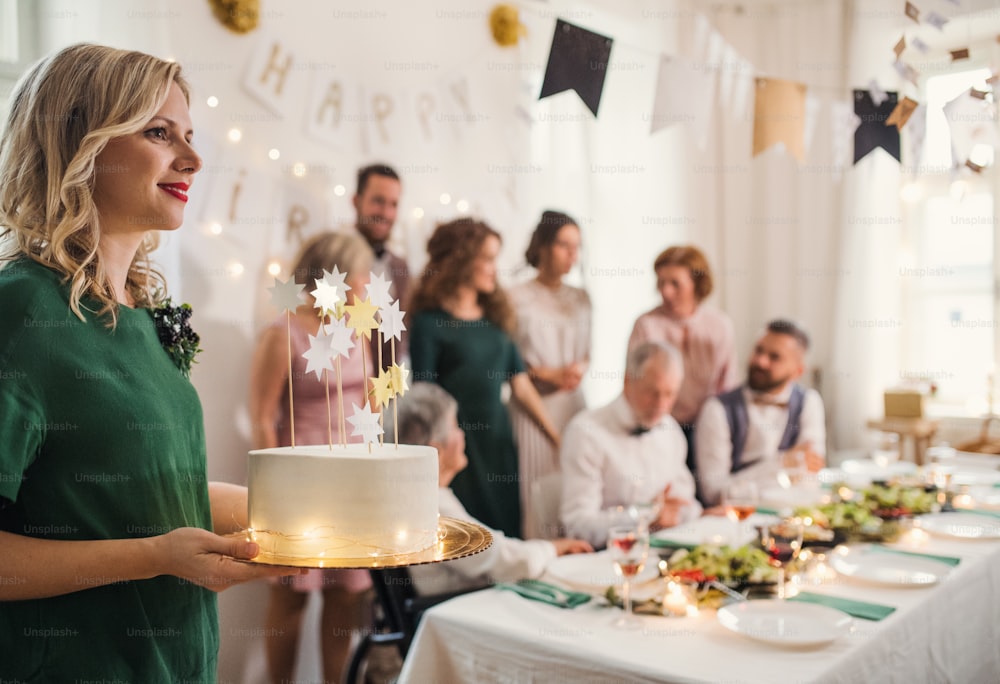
664	543
950	560
980	511
859	609
546	593
767	511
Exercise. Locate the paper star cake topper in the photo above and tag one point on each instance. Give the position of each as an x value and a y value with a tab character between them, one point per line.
342	322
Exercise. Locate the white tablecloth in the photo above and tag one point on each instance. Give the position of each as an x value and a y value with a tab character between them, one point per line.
949	632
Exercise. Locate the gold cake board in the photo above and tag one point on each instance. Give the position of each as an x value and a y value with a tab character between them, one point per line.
456	539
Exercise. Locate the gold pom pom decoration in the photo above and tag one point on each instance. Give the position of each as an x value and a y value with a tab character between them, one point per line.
506	26
239	16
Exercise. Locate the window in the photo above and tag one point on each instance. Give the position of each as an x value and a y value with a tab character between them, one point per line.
18	44
947	269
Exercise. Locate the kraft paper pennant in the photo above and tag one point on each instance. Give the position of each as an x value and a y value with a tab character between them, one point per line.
872	133
912	12
779	116
962	53
900	46
901	113
578	61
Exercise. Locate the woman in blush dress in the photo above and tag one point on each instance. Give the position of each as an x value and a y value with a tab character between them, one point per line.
553	336
345	592
702	333
460	339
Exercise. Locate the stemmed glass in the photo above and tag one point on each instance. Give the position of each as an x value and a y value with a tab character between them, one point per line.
740	500
782	541
629	547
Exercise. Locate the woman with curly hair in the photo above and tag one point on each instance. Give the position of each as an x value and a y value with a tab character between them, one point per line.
111	535
461	339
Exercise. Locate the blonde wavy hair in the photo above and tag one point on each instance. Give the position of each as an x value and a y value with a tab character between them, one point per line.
63	112
347	251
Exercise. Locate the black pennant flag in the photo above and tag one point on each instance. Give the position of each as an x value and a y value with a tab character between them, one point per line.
873	132
578	60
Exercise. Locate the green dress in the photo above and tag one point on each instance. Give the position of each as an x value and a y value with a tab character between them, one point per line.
101	437
472	360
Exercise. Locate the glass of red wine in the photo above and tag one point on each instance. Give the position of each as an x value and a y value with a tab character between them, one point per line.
629	548
782	541
740	500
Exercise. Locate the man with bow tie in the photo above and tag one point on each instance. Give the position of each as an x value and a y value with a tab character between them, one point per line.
769	424
630	451
376	203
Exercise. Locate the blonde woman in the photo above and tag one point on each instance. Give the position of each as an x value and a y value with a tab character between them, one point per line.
109	530
344	591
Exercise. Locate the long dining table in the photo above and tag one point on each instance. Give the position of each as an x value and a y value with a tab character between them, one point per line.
946	632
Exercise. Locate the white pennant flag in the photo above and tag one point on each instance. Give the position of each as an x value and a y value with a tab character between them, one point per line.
683	95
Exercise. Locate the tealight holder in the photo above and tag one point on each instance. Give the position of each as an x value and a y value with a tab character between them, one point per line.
680	599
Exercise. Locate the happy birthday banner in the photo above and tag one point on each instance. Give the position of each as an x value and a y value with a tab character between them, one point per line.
343	112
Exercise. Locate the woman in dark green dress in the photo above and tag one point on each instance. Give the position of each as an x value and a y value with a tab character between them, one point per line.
111	536
460	338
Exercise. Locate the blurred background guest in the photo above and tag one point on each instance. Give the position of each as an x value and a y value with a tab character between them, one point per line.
427	415
553	336
345	592
376	203
460	338
767	424
702	333
629	451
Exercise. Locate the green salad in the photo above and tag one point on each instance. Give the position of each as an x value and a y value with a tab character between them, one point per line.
733	567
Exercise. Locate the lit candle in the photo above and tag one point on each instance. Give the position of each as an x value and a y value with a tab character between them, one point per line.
675	601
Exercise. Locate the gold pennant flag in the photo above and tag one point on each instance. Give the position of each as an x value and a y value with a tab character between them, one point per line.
901	114
779	116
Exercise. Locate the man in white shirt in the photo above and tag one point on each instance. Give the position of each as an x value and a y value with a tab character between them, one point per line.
428	415
629	451
769	423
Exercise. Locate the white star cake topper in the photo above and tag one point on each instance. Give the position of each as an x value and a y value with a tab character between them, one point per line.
392	322
341	337
285	295
378	290
319	357
365	424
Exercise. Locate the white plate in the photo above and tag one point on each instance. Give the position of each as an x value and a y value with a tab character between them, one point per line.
596	570
867	470
862	562
960	525
983	496
964	475
810	494
715	529
785	622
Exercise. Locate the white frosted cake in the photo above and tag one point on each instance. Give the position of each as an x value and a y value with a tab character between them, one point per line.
318	502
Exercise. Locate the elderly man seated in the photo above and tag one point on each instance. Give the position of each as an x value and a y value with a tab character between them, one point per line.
630	451
428	415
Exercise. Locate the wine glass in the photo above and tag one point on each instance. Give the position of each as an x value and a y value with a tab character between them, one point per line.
793	468
740	500
629	547
782	541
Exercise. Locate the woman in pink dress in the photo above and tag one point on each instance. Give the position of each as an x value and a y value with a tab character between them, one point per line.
345	592
553	335
702	333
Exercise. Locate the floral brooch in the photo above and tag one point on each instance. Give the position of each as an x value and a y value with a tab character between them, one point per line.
173	326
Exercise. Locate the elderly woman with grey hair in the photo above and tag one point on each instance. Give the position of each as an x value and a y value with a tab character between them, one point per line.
427	415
